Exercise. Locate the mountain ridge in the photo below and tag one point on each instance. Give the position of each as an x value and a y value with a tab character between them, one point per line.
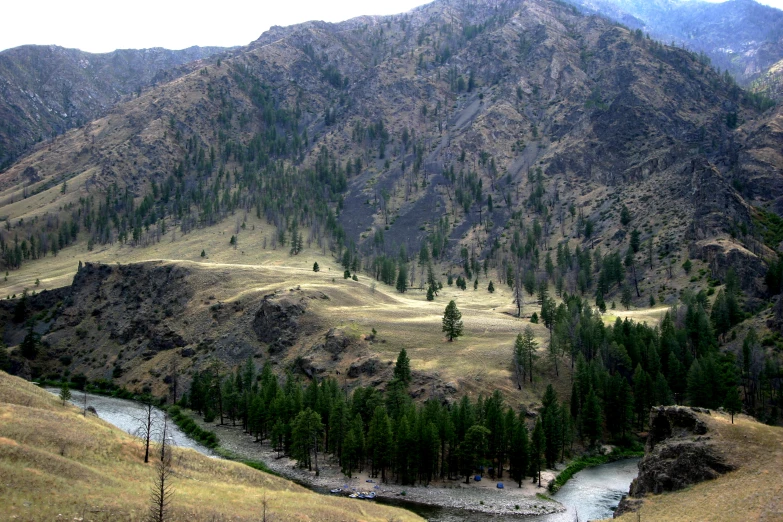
47	89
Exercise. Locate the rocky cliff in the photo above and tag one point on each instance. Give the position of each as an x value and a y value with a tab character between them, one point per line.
680	451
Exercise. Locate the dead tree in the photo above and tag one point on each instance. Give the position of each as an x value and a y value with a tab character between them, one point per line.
162	490
146	423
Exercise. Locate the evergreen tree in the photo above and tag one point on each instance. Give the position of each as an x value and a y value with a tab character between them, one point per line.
527	350
520	360
65	393
550	419
473	448
316	268
592	421
29	346
402	370
519	450
380	441
305	438
732	402
402	279
625	216
452	323
491	288
643	394
537	449
5	361
625	298
698	387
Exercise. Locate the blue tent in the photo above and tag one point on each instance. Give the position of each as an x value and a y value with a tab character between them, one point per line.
477	478
500	485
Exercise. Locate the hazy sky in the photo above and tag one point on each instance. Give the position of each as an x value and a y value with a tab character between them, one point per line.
102	26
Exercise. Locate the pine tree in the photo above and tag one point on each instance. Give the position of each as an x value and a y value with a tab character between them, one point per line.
29	346
537	448
316	268
732	402
550	419
519	450
65	393
698	393
529	349
491	287
452	324
402	369
520	360
5	361
473	448
625	298
380	440
402	279
592	421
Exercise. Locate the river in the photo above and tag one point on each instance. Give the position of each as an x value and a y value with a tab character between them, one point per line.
591	494
127	416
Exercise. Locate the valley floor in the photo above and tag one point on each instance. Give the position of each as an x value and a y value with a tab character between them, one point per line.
481	496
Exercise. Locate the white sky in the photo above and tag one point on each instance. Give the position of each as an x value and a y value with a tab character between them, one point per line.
102	26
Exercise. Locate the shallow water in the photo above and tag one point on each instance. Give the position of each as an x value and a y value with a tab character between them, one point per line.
591	494
594	493
127	415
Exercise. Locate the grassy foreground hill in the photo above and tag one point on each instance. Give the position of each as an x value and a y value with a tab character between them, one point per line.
57	464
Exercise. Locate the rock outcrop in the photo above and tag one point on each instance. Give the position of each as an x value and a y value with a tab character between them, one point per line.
679	452
276	321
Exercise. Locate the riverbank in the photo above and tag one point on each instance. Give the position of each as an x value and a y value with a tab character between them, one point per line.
481	497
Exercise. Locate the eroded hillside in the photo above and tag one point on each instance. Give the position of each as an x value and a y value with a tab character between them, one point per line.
47	90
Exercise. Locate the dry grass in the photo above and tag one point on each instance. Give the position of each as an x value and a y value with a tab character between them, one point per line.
480	361
54	463
753	492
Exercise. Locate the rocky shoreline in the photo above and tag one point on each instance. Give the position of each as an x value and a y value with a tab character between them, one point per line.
482	497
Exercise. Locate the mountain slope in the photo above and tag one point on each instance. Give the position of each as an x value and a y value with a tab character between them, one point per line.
459	126
46	90
741	36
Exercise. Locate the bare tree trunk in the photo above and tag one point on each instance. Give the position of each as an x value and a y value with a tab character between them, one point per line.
162	491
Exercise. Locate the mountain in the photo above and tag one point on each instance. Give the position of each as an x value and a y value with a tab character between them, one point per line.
740	36
771	82
520	142
381	133
46	90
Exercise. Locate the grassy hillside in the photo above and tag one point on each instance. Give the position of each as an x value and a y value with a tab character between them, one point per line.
56	463
478	362
753	492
